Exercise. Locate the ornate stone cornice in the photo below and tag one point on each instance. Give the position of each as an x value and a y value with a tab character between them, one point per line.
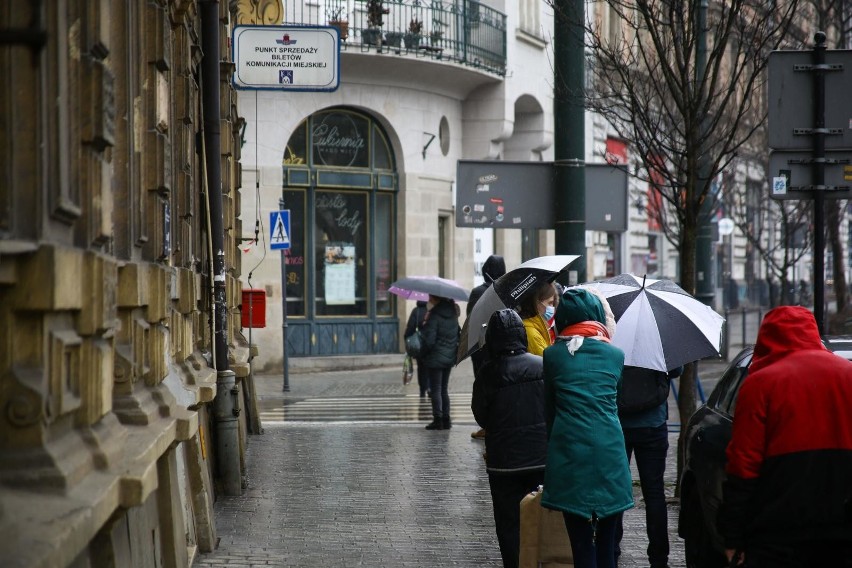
258	12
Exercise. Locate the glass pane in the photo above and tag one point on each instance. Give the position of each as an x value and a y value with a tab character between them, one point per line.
296	152
341	253
381	153
294	200
339	139
384	253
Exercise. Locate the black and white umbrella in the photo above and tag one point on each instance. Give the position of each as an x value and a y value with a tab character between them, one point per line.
507	292
658	324
420	287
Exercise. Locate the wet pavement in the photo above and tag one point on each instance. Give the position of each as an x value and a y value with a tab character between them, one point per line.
345	475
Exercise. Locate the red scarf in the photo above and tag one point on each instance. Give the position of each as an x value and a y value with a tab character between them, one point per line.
587	329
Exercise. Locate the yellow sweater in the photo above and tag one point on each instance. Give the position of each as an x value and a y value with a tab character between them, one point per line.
538	339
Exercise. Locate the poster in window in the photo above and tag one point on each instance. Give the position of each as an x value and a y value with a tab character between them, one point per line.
340	274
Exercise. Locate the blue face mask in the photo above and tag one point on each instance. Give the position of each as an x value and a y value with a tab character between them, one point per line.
548	313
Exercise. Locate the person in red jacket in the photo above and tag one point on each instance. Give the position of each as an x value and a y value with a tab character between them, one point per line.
787	500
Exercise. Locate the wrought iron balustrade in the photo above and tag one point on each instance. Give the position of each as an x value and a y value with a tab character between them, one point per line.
463	31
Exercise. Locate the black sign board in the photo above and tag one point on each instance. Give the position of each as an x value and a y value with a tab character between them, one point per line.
522	195
791	99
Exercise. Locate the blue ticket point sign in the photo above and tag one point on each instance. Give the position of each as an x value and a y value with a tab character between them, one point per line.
279	229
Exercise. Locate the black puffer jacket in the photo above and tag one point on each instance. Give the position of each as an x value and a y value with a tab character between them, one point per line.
440	336
508	398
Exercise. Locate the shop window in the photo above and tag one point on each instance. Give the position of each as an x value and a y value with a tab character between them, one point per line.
340	139
340	186
296	151
295	200
384	253
381	152
341	224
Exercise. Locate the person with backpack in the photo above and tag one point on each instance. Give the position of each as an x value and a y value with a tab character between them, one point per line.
439	344
415	322
643	412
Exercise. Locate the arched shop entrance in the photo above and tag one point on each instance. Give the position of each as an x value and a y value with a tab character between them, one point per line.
340	185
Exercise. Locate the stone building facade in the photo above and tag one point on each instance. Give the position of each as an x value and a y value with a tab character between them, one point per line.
108	444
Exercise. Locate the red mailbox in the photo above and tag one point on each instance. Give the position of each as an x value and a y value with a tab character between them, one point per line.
254	308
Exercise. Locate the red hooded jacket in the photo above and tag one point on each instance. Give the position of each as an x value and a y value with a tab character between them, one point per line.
790	455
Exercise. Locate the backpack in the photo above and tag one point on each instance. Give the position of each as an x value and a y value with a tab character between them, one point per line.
641	389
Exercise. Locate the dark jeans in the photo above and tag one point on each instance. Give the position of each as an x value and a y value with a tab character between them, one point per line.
439	379
592	548
811	554
650	446
507	491
422	378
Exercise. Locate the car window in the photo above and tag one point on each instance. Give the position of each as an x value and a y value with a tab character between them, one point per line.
730	401
729	386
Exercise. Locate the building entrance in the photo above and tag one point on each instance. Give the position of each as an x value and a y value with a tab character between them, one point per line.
340	185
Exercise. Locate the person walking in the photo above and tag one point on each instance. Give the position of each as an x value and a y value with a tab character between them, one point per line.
643	411
587	476
415	322
537	310
440	341
508	401
493	268
787	499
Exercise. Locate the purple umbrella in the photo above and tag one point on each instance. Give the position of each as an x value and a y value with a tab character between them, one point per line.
420	287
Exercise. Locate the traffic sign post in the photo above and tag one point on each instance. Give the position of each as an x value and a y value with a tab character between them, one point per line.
804	79
791	174
792	92
279	229
279	239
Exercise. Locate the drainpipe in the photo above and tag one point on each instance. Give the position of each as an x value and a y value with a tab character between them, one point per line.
225	409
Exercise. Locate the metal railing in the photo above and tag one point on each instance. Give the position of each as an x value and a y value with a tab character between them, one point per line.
740	329
463	31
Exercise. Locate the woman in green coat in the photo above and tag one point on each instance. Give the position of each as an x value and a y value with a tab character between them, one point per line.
587	476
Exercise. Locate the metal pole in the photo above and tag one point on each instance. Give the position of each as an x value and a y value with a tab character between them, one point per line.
704	265
819	180
569	132
286	363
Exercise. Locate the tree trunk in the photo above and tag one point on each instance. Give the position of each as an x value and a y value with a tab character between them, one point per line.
687	380
686	394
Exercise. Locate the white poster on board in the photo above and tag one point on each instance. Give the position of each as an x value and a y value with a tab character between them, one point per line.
339	275
483	247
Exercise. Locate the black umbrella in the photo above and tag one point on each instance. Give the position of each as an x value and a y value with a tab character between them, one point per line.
507	292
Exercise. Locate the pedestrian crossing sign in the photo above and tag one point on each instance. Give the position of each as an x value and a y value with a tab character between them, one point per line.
279	230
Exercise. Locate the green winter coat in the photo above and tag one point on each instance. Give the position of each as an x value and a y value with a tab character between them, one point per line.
587	472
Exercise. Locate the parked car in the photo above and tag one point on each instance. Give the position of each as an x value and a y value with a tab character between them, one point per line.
706	438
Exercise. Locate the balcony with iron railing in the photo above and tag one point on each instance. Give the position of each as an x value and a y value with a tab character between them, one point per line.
466	32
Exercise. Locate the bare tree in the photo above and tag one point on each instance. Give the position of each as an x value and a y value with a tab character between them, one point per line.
779	232
676	80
